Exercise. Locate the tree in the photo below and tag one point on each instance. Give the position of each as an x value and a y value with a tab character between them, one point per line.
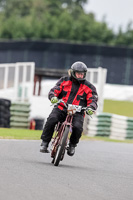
60	19
125	38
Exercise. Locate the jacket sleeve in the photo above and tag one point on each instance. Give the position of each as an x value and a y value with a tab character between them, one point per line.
57	89
92	98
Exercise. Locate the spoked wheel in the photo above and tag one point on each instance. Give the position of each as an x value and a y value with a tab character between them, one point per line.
61	147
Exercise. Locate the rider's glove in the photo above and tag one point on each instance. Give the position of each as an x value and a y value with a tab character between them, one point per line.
54	100
89	111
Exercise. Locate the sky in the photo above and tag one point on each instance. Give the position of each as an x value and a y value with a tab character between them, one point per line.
116	12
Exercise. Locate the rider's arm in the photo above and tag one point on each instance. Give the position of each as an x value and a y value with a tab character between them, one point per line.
92	98
57	89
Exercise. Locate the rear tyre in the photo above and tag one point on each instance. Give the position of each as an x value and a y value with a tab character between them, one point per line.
61	147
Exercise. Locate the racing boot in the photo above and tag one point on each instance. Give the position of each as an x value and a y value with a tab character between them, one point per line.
44	147
71	149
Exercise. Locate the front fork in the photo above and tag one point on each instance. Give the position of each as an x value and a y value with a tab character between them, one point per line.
60	127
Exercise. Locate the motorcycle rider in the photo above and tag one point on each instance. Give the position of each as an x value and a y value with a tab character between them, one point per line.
73	89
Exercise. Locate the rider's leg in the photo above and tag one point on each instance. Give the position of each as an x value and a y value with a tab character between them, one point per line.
77	129
55	116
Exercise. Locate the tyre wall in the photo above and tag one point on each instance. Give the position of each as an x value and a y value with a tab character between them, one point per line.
5	113
19	113
110	125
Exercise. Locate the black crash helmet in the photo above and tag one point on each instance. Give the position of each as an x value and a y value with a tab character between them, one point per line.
78	67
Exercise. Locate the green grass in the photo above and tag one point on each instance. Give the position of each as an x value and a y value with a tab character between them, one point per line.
105	139
119	107
25	134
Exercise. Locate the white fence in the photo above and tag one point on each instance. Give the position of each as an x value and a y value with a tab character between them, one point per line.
97	76
16	80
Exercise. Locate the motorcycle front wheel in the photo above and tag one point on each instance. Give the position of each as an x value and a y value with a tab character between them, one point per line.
61	147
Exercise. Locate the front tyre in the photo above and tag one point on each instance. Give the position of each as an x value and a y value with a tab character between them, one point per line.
61	147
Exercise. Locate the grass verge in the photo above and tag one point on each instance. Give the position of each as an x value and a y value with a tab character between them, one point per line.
26	134
105	139
124	108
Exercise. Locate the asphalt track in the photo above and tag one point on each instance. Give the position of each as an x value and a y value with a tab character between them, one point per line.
98	171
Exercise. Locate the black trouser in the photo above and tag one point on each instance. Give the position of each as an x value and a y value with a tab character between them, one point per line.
58	115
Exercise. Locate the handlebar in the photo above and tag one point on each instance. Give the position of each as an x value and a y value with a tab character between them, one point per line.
66	105
61	101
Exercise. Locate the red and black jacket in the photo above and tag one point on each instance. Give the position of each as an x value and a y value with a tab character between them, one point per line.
75	92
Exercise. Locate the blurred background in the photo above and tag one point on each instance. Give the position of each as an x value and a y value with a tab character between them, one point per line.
117	14
54	34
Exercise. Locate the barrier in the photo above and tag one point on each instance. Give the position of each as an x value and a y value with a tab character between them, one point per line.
5	113
16	80
111	125
19	113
